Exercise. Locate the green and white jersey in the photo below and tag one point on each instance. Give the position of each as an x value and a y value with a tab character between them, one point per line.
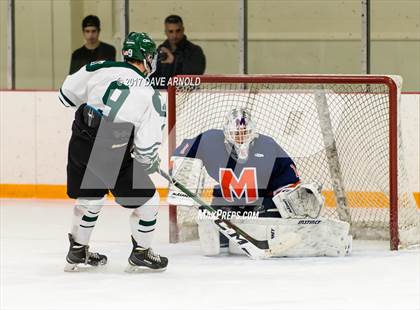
120	92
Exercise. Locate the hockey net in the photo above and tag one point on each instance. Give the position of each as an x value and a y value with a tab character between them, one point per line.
341	131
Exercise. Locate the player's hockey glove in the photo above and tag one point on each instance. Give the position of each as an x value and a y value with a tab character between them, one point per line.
92	116
153	166
150	163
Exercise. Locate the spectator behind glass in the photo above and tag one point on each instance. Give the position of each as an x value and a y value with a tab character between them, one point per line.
177	55
93	49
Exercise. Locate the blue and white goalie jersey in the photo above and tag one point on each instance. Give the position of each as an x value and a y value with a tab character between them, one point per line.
267	169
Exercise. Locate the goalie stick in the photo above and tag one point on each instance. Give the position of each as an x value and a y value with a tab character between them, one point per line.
255	249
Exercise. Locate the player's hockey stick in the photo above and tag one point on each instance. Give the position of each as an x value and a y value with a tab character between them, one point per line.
252	247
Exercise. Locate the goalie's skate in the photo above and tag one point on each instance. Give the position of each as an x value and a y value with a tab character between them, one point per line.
144	260
80	259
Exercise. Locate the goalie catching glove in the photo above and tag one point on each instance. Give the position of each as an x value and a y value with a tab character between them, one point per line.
301	201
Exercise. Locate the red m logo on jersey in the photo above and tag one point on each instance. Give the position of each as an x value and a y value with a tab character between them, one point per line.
245	184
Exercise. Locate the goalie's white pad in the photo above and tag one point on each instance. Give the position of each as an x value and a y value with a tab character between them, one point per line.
301	201
209	237
297	237
190	172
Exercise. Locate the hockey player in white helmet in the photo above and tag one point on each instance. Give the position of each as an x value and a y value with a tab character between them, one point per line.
254	175
114	146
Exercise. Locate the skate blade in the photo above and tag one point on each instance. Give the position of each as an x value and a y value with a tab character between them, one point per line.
142	269
82	268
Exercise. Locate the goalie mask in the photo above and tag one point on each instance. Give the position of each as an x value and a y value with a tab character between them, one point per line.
239	133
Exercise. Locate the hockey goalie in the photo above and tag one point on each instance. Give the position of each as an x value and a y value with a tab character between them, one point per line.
258	189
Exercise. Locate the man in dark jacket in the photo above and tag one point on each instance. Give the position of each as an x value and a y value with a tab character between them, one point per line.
93	49
177	55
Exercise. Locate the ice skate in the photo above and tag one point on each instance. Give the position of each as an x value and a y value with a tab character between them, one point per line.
80	259
144	260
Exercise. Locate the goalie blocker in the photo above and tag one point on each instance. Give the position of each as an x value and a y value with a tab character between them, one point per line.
190	172
300	231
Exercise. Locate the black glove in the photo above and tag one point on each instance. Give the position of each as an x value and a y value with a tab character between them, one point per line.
92	116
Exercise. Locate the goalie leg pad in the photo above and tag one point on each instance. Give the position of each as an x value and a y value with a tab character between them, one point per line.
287	237
319	237
253	229
300	237
209	237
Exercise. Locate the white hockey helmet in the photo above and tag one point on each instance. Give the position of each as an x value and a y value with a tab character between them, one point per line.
239	133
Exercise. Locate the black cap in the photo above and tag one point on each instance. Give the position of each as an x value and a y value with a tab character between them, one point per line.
91	21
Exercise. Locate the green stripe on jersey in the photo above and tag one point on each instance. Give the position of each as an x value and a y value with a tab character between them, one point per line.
96	65
148	148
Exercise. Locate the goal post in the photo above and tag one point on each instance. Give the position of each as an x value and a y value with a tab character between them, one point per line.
341	130
332	154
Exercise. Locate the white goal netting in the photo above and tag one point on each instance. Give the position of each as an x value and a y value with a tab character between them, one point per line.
338	133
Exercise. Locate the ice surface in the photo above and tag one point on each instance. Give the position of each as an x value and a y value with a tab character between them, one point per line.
34	244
